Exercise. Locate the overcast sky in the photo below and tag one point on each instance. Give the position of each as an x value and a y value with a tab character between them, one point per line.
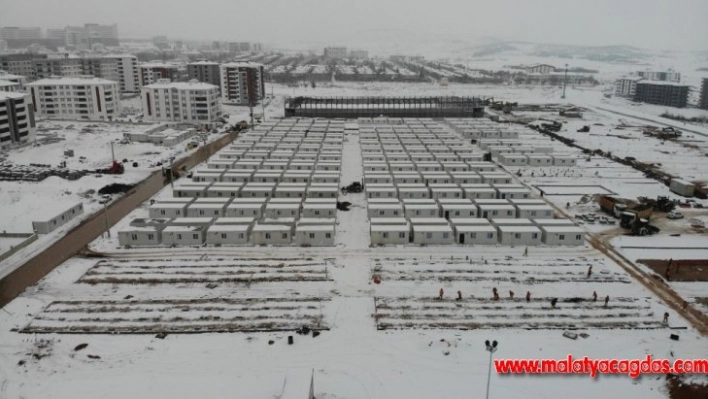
655	24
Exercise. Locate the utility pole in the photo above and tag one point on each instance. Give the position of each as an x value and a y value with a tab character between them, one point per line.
565	80
105	217
491	348
113	154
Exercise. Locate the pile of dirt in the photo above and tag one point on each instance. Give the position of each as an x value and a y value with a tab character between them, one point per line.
680	389
115	188
343	206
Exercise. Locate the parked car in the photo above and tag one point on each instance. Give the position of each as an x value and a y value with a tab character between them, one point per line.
674	215
106	198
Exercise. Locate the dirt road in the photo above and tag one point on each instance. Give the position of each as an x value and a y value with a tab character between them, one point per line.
76	239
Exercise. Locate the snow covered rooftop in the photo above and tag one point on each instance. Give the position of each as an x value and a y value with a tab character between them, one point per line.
191	85
71	81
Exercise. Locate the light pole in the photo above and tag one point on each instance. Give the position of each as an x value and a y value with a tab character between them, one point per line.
491	348
565	80
105	218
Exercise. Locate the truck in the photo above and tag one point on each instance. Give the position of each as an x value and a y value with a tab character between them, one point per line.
682	187
612	205
637	225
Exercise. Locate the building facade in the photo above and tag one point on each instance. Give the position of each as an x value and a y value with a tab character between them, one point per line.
152	72
9	33
661	76
205	72
127	69
335	53
359	54
662	93
626	86
17	123
702	101
186	102
84	97
242	83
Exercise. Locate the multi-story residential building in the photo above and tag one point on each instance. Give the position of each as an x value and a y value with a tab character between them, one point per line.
242	83
3	46
359	54
667	76
101	67
702	100
205	71
9	33
127	67
21	81
627	86
543	69
103	34
242	47
335	53
6	85
48	67
84	37
83	97
662	93
186	102
17	123
152	72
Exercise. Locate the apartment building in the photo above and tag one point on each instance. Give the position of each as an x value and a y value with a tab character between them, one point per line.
335	53
127	68
17	123
82	97
21	81
9	33
661	76
702	101
627	86
662	93
359	54
153	72
19	64
205	71
242	83
46	68
186	102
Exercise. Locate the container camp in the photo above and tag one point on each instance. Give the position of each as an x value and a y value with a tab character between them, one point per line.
414	193
540	160
228	234
381	191
407	178
314	235
139	236
463	178
223	190
534	211
183	235
564	160
476	235
290	190
321	210
432	234
479	191
562	235
323	191
519	235
271	234
215	210
207	175
513	193
390	234
241	209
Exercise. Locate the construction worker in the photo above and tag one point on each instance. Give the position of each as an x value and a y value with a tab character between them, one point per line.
589	271
667	273
594	296
496	294
607	300
528	296
459	295
526	251
685	305
511	294
553	302
441	293
666	317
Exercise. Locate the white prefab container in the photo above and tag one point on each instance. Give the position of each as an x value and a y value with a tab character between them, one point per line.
413	193
492	201
482	167
682	187
436	178
479	191
191	222
385	210
446	192
223	190
245	220
390	234
394	221
564	160
513	193
380	200
267	177
512	222
290	191
282	211
296	177
169	211
562	235
476	235
317	221
242	176
407	178
519	235
314	235
534	211
245	210
221	164
513	159
553	222
325	178
421	210
206	175
495	178
496	211
196	210
323	191
466	178
252	190
469	222
432	234
409	201
529	201
450	211
190	191
183	235
540	160
381	192
271	234
139	236
228	234
377	178
310	210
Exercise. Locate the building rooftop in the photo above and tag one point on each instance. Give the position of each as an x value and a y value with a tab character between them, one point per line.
71	81
661	83
191	85
236	64
203	62
5	95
